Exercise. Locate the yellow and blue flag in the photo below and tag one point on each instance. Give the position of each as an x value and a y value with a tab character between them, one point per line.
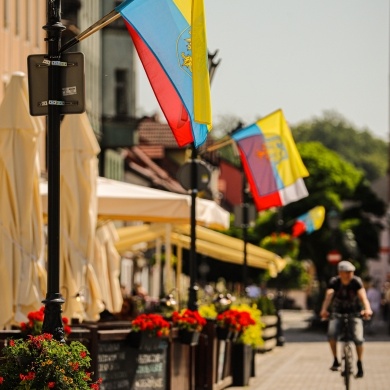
309	222
170	38
271	162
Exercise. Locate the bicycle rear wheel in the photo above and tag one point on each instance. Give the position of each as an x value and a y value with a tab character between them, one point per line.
347	372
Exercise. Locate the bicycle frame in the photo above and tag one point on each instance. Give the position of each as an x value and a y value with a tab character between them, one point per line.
347	354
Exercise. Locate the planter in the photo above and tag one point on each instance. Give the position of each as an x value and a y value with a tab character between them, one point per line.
225	334
242	357
142	340
188	338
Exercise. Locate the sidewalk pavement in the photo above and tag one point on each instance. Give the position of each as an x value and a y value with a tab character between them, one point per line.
304	360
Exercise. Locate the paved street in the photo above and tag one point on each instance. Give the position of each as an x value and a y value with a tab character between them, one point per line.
303	362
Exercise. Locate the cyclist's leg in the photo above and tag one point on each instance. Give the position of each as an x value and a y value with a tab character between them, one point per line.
358	338
333	333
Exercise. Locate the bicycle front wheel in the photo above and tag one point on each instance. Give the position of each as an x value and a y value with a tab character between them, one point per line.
347	372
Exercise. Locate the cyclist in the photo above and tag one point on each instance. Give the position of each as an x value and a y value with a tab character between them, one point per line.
346	294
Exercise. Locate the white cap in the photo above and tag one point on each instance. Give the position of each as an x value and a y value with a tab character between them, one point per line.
346	266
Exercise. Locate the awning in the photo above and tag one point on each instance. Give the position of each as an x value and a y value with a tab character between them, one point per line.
129	202
133	235
208	242
225	248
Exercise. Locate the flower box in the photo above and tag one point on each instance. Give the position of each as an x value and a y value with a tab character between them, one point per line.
188	337
242	359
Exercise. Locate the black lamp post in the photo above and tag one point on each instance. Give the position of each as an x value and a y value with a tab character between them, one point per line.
280	340
333	221
53	322
193	289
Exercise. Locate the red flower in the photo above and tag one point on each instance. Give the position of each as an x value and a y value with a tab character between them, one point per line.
153	323
83	354
35	323
235	320
51	385
29	377
12	343
1	380
95	386
188	319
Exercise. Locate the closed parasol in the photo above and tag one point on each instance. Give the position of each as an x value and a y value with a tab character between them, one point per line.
22	276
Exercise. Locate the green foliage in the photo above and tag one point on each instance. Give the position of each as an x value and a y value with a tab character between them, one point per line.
208	311
357	146
43	363
329	172
282	244
266	305
293	276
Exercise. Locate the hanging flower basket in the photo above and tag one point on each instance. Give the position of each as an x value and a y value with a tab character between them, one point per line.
35	322
235	321
147	329
190	323
188	337
282	244
40	362
224	333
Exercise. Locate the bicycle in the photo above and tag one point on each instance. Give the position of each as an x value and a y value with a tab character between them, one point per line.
347	354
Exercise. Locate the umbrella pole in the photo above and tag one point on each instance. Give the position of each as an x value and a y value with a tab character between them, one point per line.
53	321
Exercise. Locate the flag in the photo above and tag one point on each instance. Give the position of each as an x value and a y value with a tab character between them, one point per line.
271	161
170	38
309	222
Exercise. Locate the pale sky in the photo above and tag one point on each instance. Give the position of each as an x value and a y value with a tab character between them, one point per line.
303	56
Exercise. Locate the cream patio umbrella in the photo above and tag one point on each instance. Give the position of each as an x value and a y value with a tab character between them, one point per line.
78	217
118	200
22	275
107	263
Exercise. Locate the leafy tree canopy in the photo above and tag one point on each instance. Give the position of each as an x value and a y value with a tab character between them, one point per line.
359	147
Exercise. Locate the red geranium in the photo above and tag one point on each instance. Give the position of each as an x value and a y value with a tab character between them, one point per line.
35	323
153	323
188	319
235	320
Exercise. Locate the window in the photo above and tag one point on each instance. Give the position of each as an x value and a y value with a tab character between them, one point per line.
6	13
28	19
17	17
121	83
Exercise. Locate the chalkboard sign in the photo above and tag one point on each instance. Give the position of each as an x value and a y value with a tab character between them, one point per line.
122	366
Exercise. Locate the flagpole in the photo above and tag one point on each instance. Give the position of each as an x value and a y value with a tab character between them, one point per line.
219	145
104	21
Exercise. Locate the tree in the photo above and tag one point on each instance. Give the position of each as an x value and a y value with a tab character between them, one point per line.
331	183
359	147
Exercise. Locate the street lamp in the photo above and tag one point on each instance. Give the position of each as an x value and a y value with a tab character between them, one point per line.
53	321
333	219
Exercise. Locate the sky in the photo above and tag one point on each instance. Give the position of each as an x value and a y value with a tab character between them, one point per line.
302	56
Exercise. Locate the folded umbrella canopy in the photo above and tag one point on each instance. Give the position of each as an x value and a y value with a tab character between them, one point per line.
78	217
22	275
